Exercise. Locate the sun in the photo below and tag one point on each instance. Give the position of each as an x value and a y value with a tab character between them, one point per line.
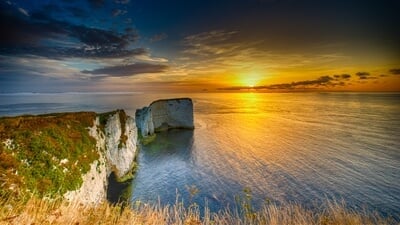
248	79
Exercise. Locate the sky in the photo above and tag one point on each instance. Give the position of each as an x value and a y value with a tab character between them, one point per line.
199	46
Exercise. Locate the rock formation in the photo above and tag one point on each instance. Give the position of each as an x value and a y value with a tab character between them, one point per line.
71	154
76	152
165	114
116	145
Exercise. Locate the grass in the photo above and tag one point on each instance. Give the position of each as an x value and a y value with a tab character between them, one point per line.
42	211
46	155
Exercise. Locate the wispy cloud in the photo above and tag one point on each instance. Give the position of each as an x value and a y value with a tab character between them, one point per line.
214	42
158	37
118	12
23	11
221	52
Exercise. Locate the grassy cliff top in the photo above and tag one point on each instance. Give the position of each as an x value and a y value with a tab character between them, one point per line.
45	155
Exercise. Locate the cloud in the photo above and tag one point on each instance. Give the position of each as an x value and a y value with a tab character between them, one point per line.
128	70
229	50
118	12
23	11
122	1
342	76
321	82
42	48
215	42
128	21
209	37
395	71
77	12
96	3
362	74
85	52
41	35
365	76
158	37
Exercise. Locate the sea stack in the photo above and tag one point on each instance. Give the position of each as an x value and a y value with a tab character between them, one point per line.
165	114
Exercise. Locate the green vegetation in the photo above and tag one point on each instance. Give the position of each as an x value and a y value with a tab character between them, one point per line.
148	139
45	155
129	175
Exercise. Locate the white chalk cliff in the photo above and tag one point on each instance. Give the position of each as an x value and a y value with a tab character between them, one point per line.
116	145
116	141
165	114
119	155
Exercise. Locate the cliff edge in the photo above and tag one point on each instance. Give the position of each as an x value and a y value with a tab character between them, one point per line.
69	154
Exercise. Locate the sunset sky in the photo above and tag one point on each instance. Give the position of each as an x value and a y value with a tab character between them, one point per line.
207	45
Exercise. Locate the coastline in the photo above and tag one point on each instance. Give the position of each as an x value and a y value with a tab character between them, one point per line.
205	125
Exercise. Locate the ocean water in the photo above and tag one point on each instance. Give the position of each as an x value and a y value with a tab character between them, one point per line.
284	148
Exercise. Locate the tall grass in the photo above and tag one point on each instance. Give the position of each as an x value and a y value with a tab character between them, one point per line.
44	211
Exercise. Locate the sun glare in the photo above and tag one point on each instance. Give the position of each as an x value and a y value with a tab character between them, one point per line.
250	80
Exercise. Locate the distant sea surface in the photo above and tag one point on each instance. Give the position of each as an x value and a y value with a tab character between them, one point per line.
283	148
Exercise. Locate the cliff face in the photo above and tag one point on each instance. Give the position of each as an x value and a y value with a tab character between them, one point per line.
71	154
165	114
116	137
120	143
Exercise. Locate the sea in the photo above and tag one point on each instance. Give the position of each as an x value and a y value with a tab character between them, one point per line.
297	148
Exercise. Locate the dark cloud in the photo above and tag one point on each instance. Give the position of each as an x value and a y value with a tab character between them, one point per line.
118	12
96	3
122	1
53	8
128	70
62	52
17	30
158	37
365	76
130	34
342	76
346	76
128	20
100	38
321	82
395	71
77	12
35	35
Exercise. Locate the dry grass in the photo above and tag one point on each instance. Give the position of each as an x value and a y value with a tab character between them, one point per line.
41	211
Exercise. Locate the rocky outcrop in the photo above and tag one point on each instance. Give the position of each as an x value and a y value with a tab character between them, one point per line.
116	137
120	143
165	114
